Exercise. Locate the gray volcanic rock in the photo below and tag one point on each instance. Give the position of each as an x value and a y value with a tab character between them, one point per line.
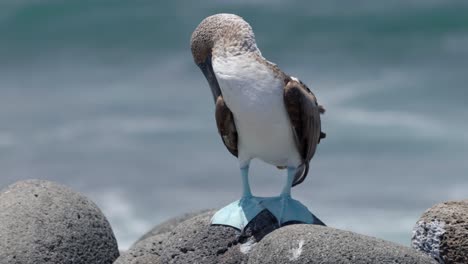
197	241
147	251
168	225
44	222
442	232
149	247
317	244
191	238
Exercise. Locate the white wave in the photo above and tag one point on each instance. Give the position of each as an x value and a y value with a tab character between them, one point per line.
120	212
456	43
458	191
6	139
410	124
387	119
391	225
116	127
336	94
335	98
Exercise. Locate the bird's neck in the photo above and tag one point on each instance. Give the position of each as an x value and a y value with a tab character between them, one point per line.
244	66
235	47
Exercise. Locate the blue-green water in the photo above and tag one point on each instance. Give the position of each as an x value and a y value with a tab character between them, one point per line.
103	96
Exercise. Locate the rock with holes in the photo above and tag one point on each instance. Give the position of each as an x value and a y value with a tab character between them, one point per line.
44	222
318	244
197	241
168	225
146	251
192	239
442	232
150	246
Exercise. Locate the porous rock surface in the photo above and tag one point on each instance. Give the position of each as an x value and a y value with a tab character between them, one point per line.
146	251
195	240
149	247
318	244
168	225
442	232
44	222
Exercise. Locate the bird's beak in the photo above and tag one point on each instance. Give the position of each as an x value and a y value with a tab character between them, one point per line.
207	69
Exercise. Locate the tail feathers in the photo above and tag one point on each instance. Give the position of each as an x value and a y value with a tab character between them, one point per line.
301	174
321	109
322	135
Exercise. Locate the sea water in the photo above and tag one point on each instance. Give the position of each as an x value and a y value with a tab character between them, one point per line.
103	96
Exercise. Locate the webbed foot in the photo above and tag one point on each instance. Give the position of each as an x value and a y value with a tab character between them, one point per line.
287	209
239	213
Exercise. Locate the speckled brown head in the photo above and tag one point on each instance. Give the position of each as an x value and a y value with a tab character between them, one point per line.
224	35
221	32
220	35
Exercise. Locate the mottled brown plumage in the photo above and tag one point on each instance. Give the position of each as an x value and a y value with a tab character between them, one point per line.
223	31
223	34
304	114
226	126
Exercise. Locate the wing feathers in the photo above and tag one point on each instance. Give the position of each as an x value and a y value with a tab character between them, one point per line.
226	126
304	114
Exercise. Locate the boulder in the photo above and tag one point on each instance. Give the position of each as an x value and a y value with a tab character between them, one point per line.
44	222
318	244
442	232
168	225
146	251
195	240
149	247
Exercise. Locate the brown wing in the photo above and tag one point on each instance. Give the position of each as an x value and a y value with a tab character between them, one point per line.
226	126
304	114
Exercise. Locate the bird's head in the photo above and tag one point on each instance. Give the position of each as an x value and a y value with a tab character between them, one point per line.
220	35
226	32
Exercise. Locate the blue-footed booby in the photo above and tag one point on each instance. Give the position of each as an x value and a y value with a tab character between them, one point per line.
261	112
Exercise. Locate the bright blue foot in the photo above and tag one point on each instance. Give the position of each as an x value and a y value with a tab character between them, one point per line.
239	213
286	209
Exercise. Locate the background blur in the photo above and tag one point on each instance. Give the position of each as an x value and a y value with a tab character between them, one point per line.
103	96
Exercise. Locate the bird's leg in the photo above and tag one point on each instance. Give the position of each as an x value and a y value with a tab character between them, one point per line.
287	209
246	192
285	196
287	187
239	213
249	204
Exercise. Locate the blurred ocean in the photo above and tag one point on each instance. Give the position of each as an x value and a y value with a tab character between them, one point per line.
103	96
